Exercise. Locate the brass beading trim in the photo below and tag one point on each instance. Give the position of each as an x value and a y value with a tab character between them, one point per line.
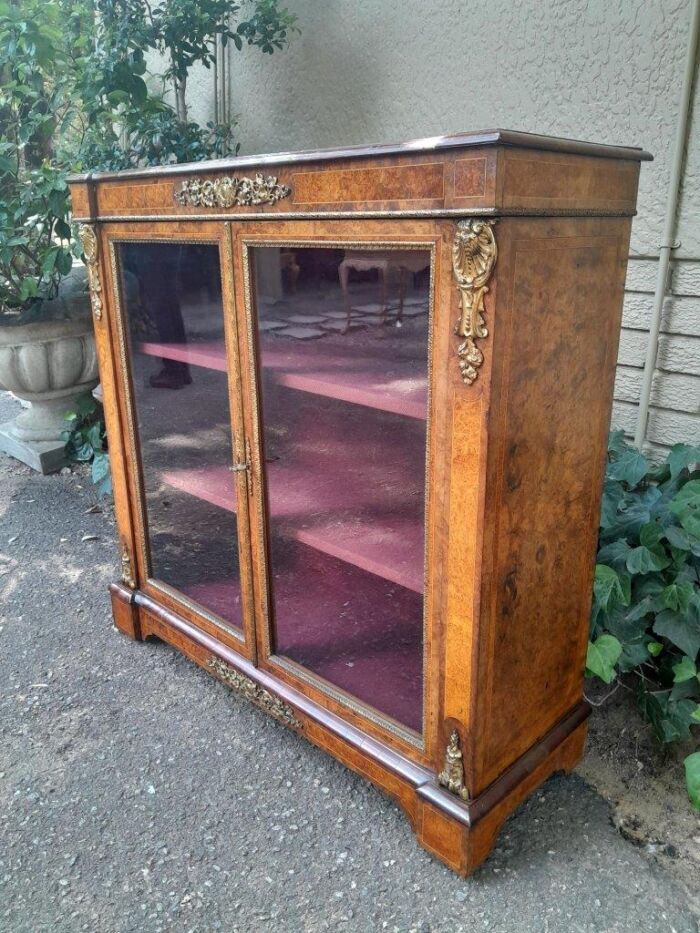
443	212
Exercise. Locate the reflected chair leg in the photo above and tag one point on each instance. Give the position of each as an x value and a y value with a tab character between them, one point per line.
382	276
343	271
294	270
402	294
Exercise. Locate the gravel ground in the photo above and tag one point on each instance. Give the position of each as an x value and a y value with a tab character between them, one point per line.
138	794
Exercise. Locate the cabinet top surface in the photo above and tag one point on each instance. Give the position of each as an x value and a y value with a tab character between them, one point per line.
484	138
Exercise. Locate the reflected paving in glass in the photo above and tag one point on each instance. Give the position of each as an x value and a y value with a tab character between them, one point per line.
343	346
171	295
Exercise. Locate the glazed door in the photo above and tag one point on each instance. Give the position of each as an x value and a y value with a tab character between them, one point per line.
175	326
338	346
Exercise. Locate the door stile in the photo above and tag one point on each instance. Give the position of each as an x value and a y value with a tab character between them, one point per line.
255	476
241	445
124	410
103	319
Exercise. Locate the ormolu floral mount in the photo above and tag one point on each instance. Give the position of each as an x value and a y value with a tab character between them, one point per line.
474	255
231	191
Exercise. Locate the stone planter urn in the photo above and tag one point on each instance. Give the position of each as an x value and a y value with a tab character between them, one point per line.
48	364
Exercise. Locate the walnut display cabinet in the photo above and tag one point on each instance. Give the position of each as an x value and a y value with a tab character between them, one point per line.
357	404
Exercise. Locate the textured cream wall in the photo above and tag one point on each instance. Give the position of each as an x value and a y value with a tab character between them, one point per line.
380	71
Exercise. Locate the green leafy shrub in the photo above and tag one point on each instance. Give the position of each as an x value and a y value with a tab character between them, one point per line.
36	243
86	441
126	118
153	135
645	618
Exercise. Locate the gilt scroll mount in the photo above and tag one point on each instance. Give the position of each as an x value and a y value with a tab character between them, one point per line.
127	570
474	254
452	774
268	702
88	240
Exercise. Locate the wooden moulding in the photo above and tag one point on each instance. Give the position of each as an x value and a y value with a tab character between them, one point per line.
494	172
126	617
457	141
459	833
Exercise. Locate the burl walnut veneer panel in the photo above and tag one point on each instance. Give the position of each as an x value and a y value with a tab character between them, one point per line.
555	345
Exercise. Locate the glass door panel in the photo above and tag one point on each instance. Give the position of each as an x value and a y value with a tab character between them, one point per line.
173	311
343	361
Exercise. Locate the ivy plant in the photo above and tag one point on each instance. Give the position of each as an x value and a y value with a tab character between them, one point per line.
645	616
86	441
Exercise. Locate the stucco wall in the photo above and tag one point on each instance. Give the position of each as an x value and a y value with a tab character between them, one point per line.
381	71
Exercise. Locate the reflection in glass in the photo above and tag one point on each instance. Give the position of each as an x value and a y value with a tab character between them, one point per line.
343	340
172	301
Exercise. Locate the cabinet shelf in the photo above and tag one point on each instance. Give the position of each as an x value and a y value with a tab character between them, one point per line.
373	649
375	382
210	354
381	546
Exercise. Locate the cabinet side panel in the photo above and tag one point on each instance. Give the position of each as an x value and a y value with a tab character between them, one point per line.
555	347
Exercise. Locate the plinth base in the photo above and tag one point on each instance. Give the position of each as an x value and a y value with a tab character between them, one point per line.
42	456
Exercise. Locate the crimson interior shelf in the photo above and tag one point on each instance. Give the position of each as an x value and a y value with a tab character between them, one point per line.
384	547
375	653
376	382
